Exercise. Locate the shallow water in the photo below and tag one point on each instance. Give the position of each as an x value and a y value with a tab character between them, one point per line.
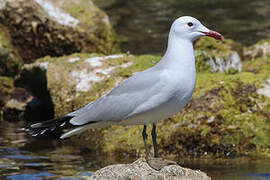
144	24
22	157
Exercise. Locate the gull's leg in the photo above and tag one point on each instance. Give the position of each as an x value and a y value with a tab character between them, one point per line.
144	135
155	163
154	139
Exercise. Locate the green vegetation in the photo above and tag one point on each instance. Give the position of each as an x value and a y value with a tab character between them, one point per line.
10	63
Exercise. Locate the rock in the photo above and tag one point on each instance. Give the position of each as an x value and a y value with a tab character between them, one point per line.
10	62
218	56
258	50
141	170
56	28
226	117
13	100
73	81
265	90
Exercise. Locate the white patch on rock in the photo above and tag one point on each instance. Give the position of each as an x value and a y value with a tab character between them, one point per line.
114	56
44	65
96	61
233	61
126	65
265	90
105	71
57	14
72	60
83	79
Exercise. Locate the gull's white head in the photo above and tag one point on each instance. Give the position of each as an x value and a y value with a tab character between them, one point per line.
189	28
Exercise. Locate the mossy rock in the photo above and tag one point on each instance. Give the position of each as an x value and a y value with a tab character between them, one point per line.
258	50
218	56
57	28
6	85
13	100
10	62
75	80
227	117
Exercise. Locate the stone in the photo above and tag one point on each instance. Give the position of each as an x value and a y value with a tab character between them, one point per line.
258	50
10	61
56	28
13	100
215	56
70	82
140	170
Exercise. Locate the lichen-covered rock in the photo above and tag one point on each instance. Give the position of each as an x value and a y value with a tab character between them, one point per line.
218	56
74	81
56	28
140	170
258	50
10	62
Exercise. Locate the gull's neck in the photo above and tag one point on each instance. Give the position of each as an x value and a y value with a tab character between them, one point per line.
179	55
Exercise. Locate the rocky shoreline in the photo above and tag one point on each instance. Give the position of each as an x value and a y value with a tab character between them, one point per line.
49	68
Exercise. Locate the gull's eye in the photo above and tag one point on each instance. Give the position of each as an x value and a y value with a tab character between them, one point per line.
190	24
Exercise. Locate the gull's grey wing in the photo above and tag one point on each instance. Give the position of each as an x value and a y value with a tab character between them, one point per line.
126	99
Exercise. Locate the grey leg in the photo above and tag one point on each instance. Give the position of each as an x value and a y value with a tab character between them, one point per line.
154	139
144	135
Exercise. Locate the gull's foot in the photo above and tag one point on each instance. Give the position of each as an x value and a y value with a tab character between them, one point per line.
159	163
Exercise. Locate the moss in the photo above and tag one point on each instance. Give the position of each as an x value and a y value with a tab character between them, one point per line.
6	85
10	62
84	11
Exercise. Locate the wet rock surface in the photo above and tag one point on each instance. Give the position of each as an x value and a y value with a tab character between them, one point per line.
56	28
141	170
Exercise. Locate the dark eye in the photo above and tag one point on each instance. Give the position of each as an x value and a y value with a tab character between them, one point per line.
190	24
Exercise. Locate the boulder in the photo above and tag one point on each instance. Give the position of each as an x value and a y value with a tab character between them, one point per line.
218	56
56	28
258	50
10	62
13	100
140	170
227	116
73	81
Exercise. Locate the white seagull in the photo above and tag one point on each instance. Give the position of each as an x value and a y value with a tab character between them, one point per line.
145	98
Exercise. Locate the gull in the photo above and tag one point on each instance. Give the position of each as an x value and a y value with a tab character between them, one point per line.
145	98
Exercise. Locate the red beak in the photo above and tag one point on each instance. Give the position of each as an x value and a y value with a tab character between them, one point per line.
214	34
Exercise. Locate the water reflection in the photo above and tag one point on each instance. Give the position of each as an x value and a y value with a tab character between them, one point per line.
22	157
144	25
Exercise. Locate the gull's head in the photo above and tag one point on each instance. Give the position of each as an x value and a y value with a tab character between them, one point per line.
189	28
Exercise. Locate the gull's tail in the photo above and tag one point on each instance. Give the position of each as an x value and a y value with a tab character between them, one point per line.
53	128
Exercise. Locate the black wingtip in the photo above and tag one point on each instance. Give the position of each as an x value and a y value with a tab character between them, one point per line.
51	129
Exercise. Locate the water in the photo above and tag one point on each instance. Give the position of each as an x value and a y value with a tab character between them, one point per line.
22	157
144	24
